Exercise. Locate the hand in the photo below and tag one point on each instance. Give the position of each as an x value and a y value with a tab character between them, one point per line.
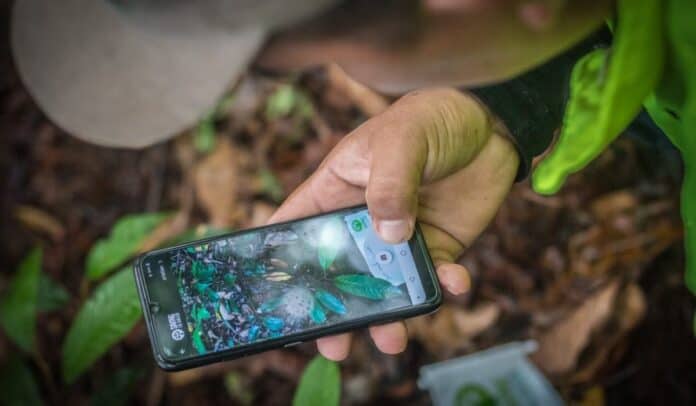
537	14
436	155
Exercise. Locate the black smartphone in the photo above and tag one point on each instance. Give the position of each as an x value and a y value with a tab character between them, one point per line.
279	285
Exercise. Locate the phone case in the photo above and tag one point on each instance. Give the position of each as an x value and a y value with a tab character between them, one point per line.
287	341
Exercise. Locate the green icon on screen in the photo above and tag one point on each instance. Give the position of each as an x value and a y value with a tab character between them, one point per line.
356	225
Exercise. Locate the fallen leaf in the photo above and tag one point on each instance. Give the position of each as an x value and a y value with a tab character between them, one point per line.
614	203
367	100
260	213
452	327
40	220
561	345
628	312
217	184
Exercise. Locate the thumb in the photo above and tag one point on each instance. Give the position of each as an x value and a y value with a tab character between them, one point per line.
391	194
424	136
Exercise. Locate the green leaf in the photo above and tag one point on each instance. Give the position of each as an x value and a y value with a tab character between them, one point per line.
204	137
320	384
682	35
122	243
52	296
328	248
330	301
106	317
281	102
118	388
366	286
202	272
238	387
270	304
286	100
197	339
19	305
271	186
17	384
317	313
607	91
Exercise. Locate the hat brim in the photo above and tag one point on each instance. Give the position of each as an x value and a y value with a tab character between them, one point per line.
105	80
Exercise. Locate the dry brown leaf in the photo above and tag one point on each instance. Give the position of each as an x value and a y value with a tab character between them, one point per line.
629	311
561	345
367	100
217	184
40	220
614	203
260	213
452	328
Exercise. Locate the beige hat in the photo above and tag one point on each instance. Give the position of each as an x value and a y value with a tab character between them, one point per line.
130	73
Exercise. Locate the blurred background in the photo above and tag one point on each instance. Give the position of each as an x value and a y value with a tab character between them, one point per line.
594	273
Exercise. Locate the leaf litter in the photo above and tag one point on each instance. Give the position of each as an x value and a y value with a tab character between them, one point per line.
610	241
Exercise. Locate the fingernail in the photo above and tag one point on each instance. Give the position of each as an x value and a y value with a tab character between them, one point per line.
394	231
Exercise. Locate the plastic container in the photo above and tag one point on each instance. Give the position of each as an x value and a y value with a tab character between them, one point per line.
499	376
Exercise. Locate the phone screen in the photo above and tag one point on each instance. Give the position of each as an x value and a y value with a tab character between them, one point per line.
279	281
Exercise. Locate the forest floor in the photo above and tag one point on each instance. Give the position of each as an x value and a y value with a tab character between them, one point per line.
594	273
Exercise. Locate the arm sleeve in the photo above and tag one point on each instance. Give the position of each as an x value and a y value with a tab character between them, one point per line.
531	105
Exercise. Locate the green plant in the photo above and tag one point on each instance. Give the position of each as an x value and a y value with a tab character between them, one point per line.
652	62
19	306
320	384
108	315
123	242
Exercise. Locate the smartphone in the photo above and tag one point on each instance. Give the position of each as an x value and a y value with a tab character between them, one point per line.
279	285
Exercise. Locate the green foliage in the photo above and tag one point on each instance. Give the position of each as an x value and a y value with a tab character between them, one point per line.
330	302
320	384
682	36
238	388
122	243
328	249
317	314
366	286
606	96
17	384
19	304
287	100
117	389
52	296
271	186
327	255
652	37
204	136
108	315
197	340
270	304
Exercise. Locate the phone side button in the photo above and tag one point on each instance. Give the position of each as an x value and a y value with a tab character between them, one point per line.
288	345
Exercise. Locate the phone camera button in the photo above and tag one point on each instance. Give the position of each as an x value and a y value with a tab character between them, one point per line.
384	257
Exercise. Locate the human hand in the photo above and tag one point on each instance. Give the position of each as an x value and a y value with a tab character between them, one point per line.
436	155
536	14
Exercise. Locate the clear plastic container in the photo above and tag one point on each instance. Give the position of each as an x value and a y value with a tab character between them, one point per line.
499	376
